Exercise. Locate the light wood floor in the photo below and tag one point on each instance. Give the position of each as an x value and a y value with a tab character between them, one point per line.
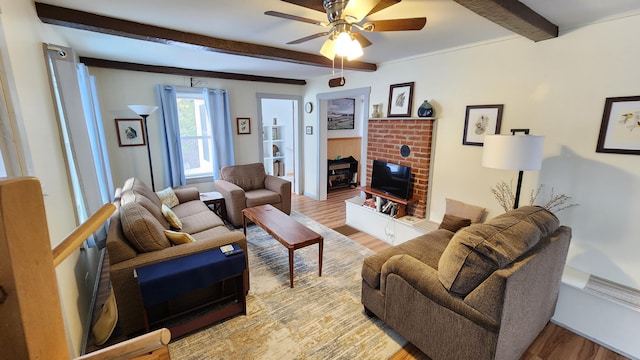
554	343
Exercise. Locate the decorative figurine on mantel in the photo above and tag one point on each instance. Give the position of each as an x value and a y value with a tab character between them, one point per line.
426	110
376	111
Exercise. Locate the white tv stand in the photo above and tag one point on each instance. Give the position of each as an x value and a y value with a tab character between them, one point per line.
382	226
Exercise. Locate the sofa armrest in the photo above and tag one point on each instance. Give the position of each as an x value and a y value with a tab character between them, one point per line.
234	200
186	194
282	187
424	279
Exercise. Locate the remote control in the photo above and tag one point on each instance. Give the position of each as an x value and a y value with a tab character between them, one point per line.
233	252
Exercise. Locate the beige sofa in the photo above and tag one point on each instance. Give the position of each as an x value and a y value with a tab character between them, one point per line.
484	293
244	186
136	238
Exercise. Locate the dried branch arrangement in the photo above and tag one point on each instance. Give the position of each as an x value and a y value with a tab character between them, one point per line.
505	194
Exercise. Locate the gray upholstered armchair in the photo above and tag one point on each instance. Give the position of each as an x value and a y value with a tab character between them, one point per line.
484	293
244	186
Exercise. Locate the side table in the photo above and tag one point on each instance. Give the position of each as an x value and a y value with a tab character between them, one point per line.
215	201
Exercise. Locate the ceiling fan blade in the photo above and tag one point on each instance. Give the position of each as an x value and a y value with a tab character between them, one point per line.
383	5
395	24
309	4
364	42
307	38
295	18
358	9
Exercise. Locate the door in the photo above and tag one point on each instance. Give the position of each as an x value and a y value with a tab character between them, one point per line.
279	136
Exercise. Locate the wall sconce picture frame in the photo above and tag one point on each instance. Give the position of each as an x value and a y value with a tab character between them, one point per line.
130	132
400	100
481	120
244	126
308	130
620	126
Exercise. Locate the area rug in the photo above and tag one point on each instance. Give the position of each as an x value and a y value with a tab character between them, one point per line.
345	230
320	318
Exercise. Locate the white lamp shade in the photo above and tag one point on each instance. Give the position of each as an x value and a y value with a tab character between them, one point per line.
513	152
143	109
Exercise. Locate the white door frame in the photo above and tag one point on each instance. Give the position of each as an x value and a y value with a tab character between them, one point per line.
297	154
321	100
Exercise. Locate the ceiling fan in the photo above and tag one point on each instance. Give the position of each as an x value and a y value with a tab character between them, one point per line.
346	24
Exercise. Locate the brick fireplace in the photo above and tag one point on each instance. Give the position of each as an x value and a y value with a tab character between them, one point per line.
386	136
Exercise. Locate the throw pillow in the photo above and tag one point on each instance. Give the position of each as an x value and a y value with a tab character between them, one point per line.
168	197
454	223
171	217
179	238
464	210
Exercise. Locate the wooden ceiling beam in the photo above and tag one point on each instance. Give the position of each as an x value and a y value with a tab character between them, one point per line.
119	65
76	19
515	16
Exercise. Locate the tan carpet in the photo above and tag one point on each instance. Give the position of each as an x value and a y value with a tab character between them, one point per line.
346	230
320	318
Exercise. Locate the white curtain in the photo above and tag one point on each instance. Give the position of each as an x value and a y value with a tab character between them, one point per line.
82	131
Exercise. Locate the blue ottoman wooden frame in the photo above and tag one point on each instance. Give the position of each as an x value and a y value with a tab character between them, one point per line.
169	280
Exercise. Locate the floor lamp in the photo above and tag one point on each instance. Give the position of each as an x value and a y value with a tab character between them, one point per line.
144	111
513	152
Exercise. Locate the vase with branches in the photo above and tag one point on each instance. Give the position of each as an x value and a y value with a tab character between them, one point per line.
505	195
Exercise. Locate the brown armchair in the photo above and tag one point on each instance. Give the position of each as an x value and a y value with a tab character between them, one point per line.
484	293
244	186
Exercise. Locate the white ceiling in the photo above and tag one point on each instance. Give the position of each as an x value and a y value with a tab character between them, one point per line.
449	25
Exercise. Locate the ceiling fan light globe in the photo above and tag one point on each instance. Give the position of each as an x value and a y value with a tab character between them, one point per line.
355	50
328	49
343	44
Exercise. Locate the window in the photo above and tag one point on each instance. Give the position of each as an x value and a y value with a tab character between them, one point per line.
196	137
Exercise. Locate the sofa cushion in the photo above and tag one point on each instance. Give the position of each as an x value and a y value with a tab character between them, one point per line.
426	248
190	208
168	197
140	188
248	177
171	217
178	237
153	208
261	197
141	229
200	222
476	251
454	223
464	210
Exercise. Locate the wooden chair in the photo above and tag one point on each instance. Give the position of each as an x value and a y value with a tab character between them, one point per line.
32	321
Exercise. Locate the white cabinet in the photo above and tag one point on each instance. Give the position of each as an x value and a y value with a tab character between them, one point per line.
273	150
379	225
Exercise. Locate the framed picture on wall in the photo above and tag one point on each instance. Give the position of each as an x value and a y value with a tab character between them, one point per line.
244	126
400	100
341	114
481	120
620	127
130	132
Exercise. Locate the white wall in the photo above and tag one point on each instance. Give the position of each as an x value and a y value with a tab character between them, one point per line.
557	88
24	35
118	88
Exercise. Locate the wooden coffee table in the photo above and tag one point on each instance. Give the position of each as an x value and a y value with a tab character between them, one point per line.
286	230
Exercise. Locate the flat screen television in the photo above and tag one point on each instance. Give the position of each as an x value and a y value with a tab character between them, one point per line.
392	179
